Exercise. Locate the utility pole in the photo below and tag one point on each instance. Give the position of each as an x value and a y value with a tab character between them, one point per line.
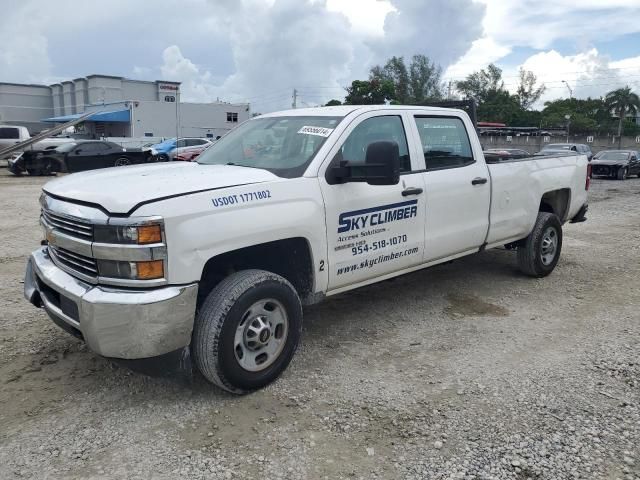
449	91
568	88
295	99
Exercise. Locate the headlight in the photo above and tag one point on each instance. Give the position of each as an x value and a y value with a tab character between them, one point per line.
139	234
148	270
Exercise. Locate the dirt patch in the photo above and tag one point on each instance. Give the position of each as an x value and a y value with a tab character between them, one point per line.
510	378
466	305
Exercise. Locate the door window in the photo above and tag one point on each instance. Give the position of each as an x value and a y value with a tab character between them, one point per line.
8	132
375	129
445	142
181	143
88	147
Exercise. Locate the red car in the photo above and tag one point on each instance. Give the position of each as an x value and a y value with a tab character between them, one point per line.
191	154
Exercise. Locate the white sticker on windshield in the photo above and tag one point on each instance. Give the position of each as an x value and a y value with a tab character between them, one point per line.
320	131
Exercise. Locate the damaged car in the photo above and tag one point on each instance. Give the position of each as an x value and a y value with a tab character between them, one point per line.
618	164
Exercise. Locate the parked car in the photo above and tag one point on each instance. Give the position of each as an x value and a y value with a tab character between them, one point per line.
189	154
12	134
568	148
77	156
212	260
502	154
167	150
616	163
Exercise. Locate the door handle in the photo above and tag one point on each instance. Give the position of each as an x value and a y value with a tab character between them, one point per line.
411	191
478	181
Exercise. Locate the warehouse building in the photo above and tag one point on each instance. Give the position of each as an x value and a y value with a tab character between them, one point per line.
124	108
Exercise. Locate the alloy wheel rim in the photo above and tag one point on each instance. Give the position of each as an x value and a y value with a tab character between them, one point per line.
549	245
261	335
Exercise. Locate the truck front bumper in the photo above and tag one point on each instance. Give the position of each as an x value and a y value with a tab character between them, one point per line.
117	323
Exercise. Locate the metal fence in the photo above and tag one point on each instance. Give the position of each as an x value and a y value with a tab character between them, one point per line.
534	144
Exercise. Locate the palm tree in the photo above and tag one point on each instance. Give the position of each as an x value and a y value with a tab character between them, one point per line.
622	101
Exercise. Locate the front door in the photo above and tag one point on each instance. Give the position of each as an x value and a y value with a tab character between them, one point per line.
373	230
458	188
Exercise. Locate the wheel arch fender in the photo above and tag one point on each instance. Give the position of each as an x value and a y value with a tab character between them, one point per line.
556	202
291	258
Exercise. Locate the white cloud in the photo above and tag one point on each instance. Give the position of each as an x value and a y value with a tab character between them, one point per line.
483	51
24	55
259	50
589	74
366	16
540	23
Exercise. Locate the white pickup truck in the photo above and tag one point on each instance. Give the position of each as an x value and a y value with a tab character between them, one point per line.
14	134
213	260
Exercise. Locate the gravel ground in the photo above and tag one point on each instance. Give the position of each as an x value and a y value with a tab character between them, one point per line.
465	370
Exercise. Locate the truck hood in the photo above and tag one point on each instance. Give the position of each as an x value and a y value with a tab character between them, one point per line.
121	190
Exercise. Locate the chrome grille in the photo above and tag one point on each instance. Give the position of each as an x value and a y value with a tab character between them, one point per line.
73	261
71	226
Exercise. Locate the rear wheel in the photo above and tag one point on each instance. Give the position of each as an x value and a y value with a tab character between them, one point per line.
622	173
247	330
539	253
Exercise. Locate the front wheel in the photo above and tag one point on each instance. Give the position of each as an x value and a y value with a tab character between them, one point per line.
247	330
622	173
540	251
122	162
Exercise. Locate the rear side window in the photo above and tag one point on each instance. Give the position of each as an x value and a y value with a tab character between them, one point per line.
9	133
445	142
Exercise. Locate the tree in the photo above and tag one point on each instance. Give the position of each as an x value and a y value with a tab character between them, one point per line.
424	79
394	71
622	101
480	85
373	92
333	103
527	92
499	106
415	84
588	116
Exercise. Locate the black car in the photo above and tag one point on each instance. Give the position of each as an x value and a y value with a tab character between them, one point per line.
78	156
616	164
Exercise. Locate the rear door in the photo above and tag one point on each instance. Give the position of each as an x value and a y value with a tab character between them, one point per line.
373	230
458	189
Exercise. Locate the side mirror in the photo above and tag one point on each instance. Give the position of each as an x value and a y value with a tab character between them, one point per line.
381	166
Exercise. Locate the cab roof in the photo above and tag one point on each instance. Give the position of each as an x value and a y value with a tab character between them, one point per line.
344	110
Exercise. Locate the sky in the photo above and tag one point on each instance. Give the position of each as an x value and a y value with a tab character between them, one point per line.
258	51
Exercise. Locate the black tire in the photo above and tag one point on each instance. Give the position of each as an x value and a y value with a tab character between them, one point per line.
220	316
163	157
34	172
622	173
122	162
530	253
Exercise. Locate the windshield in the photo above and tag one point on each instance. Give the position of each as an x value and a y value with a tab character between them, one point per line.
67	147
613	156
283	145
558	146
